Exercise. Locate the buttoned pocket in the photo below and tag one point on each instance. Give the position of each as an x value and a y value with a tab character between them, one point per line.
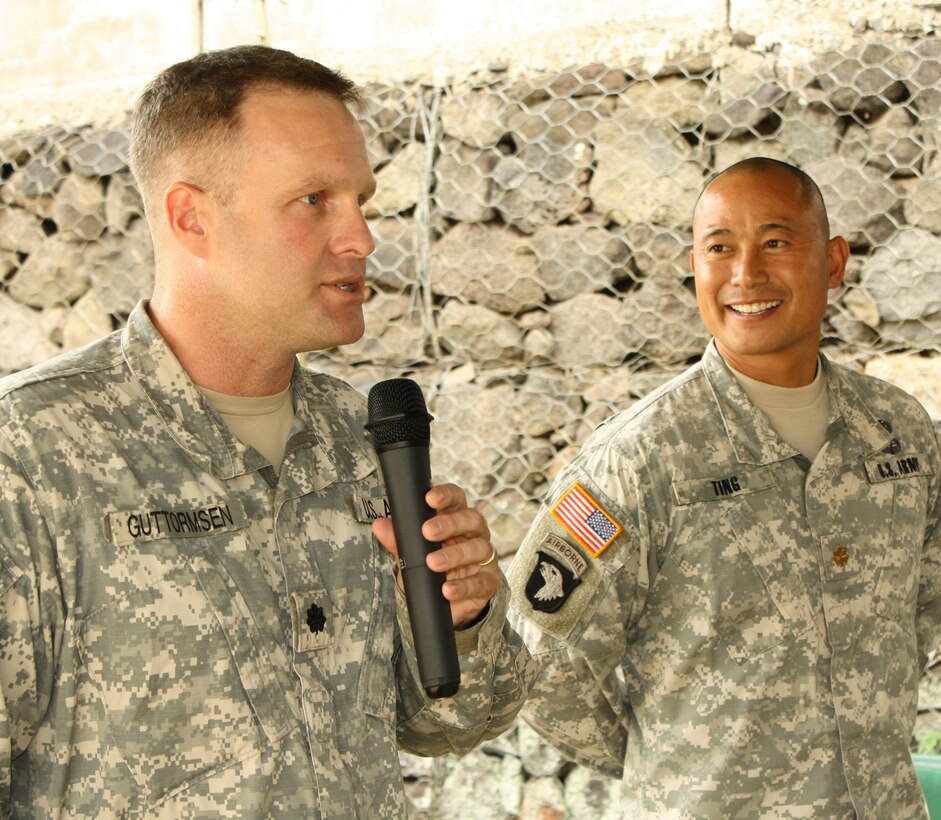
742	585
897	585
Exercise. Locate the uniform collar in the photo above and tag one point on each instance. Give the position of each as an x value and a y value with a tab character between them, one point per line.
174	397
196	427
753	438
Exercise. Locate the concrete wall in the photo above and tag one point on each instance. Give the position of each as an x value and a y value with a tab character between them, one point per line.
82	59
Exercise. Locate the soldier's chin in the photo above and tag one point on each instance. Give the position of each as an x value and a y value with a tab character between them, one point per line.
340	339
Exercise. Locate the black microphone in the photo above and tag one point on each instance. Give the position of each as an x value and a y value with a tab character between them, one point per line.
400	431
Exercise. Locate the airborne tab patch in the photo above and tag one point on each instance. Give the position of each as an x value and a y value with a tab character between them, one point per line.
585	519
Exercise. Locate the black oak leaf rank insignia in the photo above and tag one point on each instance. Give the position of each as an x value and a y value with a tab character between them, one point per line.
316	620
550	583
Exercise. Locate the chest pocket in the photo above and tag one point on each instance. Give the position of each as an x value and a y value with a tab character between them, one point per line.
183	673
734	577
350	574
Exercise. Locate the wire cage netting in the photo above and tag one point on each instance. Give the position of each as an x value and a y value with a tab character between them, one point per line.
533	231
531	269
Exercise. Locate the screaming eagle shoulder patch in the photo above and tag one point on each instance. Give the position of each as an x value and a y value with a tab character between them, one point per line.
585	520
557	572
550	584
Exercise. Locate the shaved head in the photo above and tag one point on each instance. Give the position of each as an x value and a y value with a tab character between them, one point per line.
765	165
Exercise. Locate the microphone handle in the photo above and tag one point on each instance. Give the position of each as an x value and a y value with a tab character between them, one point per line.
407	472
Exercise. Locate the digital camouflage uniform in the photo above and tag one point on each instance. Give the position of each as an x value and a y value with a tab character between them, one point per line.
182	634
748	639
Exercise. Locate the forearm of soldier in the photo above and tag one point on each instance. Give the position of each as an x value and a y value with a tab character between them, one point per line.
577	706
496	675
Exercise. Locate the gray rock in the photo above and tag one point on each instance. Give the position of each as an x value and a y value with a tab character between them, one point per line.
12	192
541	185
860	200
923	204
861	81
904	278
577	259
539	758
679	101
98	153
476	444
85	323
645	173
808	131
667	316
463	181
487	265
558	123
730	151
748	92
509	515
394	263
591	329
401	183
395	334
58	272
586	81
659	253
391	111
461	793
924	80
122	269
123	203
894	143
478	333
590	794
538	345
79	209
9	262
20	231
24	342
474	117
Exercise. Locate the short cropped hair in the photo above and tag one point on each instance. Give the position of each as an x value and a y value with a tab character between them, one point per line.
808	187
190	111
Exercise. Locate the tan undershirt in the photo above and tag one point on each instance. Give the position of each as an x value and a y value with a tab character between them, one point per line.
262	422
798	414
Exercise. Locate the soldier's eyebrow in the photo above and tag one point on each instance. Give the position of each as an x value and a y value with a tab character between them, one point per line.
323	182
763	228
716	232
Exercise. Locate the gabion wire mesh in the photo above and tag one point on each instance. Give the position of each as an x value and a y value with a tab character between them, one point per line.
533	235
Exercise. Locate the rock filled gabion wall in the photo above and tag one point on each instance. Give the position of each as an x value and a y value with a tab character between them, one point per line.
531	270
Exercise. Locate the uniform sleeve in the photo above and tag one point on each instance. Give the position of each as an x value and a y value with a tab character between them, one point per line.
928	619
497	672
30	617
578	632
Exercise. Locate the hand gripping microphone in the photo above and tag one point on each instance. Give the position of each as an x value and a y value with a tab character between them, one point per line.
400	431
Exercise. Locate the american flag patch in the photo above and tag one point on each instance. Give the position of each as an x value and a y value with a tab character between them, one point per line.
583	517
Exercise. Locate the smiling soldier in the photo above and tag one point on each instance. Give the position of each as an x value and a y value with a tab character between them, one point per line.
756	582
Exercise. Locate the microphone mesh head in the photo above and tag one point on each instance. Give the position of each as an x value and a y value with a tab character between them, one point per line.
397	413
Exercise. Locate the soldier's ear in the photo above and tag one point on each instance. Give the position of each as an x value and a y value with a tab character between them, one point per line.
838	252
185	210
